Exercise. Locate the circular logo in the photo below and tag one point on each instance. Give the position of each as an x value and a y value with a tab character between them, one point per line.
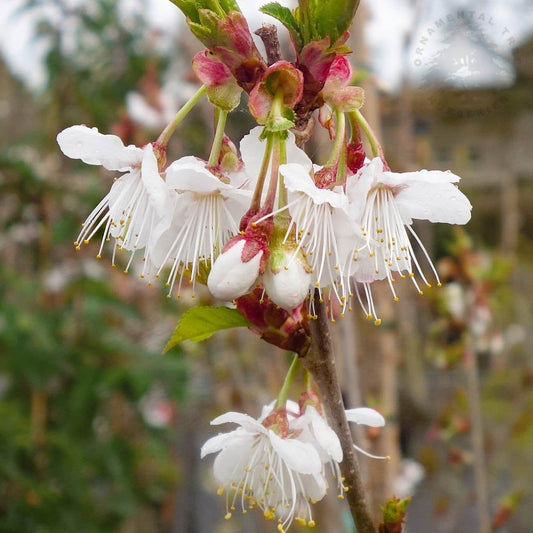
464	50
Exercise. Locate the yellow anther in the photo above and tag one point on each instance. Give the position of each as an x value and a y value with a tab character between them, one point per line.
227	516
268	514
377	322
396	299
311	523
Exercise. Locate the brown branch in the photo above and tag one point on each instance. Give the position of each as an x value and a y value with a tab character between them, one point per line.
269	35
320	362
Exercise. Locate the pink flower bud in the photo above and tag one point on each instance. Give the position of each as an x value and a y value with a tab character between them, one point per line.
222	88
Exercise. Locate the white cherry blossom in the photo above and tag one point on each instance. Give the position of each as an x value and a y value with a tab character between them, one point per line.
137	200
205	217
384	204
258	468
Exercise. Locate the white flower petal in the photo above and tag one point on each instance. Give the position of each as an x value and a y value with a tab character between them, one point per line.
154	184
325	436
230	276
190	174
436	202
94	148
244	420
216	443
299	456
314	486
289	287
230	463
366	416
297	179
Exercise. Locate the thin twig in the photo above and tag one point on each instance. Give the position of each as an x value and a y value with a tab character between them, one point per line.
320	362
269	35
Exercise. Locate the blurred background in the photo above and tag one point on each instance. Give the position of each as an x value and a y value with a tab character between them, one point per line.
100	432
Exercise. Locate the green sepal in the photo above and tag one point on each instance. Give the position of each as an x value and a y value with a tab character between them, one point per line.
199	323
279	124
285	16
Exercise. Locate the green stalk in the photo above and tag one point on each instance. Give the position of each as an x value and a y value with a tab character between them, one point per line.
219	135
282	191
274	174
289	378
166	134
256	200
369	134
340	140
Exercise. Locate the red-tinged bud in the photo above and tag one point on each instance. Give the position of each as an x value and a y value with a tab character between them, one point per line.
236	48
355	156
309	397
287	330
317	57
337	90
507	508
229	160
222	88
394	512
327	120
280	78
340	73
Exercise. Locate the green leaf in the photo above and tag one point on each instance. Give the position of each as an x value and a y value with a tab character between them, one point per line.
199	323
333	17
285	16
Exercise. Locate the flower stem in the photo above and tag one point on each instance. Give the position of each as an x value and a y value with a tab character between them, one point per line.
222	116
166	134
274	173
376	148
320	363
256	200
289	378
340	133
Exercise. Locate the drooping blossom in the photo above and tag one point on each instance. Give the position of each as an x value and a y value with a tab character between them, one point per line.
205	216
279	461
384	204
137	200
257	467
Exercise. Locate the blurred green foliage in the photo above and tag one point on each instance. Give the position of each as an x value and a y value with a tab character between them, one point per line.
79	449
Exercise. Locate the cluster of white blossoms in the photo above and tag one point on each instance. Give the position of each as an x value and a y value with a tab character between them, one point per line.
186	220
267	228
280	461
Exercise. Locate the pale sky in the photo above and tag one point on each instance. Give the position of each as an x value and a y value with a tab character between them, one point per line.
390	22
